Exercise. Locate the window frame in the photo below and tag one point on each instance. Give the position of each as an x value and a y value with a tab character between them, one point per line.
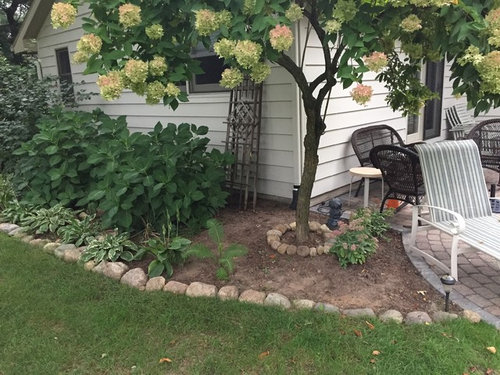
65	77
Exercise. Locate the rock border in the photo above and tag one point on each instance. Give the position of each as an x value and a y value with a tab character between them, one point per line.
274	235
138	279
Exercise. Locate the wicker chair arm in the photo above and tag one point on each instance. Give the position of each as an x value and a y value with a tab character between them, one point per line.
458	224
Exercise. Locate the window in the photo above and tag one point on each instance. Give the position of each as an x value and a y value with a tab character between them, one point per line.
433	108
64	74
212	66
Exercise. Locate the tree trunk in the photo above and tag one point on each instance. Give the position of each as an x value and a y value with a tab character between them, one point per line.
315	127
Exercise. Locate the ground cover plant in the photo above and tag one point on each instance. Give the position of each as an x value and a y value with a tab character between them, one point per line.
75	321
89	160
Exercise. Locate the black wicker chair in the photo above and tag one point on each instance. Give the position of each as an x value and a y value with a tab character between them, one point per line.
401	172
486	134
364	139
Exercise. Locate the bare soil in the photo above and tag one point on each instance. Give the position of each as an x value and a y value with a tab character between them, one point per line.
387	280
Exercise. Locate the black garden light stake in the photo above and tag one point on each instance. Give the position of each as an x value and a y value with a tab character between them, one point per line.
448	282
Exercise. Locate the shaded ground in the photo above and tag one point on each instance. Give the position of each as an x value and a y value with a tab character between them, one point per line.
387	280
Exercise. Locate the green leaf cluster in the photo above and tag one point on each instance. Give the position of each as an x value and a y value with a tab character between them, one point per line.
91	161
110	247
48	220
7	191
224	256
80	232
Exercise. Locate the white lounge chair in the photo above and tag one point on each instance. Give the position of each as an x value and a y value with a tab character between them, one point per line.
458	200
459	120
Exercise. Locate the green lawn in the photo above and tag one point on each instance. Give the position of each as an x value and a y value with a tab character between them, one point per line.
56	318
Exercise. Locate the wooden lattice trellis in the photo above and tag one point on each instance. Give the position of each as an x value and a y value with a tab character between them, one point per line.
242	140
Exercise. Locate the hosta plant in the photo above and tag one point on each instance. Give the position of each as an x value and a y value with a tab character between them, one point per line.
110	247
224	256
45	220
80	232
16	212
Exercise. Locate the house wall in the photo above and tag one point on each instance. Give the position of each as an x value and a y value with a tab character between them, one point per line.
343	117
279	156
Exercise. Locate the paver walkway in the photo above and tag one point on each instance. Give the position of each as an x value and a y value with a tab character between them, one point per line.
478	288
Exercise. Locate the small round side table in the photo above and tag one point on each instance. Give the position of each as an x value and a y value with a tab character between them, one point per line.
366	173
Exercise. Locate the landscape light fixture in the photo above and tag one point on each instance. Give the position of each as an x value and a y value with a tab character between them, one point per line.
448	282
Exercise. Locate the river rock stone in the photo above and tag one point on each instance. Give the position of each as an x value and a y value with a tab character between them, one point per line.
18	232
391	315
72	255
327	308
325	229
442	316
320	250
175	287
8	227
359	312
252	296
89	266
156	283
39	242
228	292
281	227
197	289
27	238
136	278
61	249
115	270
471	316
303	251
276	299
274	232
303	304
313	252
282	248
272	238
293	225
291	250
418	317
275	245
314	226
100	267
50	247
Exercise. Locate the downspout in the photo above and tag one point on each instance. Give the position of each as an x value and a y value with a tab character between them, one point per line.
38	67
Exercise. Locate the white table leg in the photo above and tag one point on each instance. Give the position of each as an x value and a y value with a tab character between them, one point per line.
366	192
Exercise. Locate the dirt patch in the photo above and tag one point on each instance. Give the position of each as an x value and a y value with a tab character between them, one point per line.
387	280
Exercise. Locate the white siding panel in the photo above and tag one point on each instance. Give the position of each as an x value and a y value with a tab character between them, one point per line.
279	156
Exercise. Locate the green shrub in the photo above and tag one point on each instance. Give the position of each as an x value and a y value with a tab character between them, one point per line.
224	257
355	242
89	160
7	192
110	247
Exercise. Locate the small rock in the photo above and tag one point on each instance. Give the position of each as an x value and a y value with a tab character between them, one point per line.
100	268
272	238
156	283
472	316
115	270
136	278
313	252
359	312
282	248
82	215
275	245
18	232
327	308
50	247
27	238
197	289
39	242
89	266
324	228
326	249
418	317
441	316
72	255
314	226
61	249
8	227
293	225
303	304
392	315
274	232
175	287
291	250
252	296
228	292
303	251
276	299
281	227
320	250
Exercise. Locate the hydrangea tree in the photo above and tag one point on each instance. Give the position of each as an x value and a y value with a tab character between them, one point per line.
145	46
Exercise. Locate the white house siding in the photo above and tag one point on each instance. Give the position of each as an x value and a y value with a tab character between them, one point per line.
343	117
279	156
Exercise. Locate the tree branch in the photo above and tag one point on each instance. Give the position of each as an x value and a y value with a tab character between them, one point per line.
287	63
